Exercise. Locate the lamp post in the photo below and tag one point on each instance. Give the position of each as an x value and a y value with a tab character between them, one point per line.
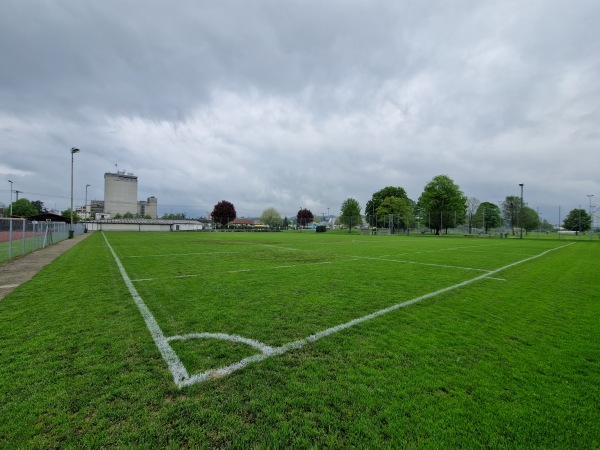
519	218
10	223
11	191
85	205
71	229
591	217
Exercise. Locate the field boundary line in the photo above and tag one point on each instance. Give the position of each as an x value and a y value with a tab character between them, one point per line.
180	374
227	370
176	367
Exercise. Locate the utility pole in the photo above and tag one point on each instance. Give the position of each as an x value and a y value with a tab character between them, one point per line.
519	218
18	192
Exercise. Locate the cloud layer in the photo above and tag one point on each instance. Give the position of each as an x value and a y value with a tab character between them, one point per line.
301	104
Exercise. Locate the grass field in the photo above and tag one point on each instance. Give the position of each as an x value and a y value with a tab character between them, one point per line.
304	339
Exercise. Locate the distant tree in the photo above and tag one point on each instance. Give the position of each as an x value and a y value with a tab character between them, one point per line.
118	216
271	217
350	213
472	205
67	214
487	216
39	206
128	215
444	203
530	220
147	216
546	226
511	208
396	211
578	220
171	216
376	200
21	208
304	217
223	212
285	223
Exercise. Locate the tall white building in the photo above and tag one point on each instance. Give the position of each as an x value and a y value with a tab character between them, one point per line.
120	193
120	196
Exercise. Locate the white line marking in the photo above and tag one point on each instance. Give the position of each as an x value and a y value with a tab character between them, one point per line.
403	261
8	286
176	254
263	348
227	370
176	367
179	372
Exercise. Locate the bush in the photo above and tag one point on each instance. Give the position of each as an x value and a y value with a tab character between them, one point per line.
321	228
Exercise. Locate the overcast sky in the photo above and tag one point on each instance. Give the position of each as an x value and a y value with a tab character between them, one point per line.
291	104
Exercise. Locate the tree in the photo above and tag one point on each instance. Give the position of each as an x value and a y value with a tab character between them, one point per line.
285	223
350	213
472	206
271	217
578	220
530	220
511	208
487	216
443	203
397	211
223	212
39	206
21	208
304	217
376	200
67	214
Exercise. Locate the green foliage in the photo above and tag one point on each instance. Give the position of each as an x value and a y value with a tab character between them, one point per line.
39	206
487	216
67	213
21	208
271	217
396	209
350	213
510	210
321	228
529	219
171	216
578	220
443	203
378	197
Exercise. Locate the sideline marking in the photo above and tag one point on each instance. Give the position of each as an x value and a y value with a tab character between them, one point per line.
176	254
179	372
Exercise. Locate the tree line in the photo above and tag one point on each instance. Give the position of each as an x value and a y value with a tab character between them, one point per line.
441	206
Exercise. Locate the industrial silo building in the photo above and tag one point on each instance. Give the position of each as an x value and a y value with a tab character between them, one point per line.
120	193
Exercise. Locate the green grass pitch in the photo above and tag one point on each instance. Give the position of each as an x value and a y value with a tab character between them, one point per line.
482	357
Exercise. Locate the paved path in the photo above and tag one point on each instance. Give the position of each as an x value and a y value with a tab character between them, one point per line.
22	269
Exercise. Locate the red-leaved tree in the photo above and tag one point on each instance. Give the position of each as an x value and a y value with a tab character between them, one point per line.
223	212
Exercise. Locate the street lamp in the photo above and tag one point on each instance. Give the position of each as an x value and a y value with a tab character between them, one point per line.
591	217
10	223
72	230
11	191
519	218
85	205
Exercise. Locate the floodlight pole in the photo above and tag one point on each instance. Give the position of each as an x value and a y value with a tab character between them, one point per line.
85	205
71	229
10	223
519	218
591	217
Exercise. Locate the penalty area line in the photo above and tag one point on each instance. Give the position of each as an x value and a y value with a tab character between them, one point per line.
272	351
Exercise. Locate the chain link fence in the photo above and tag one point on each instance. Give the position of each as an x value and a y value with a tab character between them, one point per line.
21	236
